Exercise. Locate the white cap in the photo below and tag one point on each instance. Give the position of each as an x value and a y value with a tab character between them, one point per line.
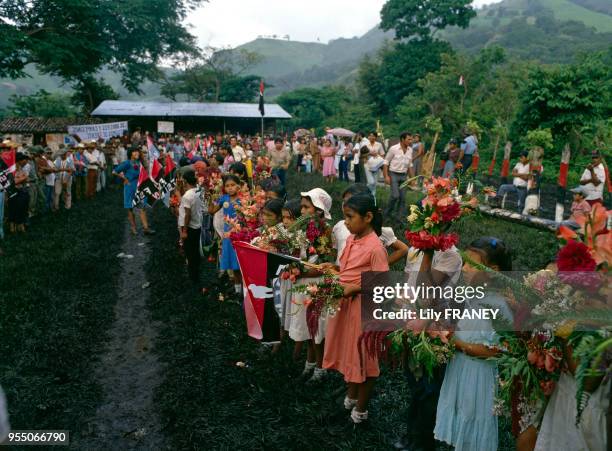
320	199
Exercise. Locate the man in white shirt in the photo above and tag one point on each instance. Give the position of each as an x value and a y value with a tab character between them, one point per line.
49	177
375	155
521	174
237	152
593	180
92	157
398	165
190	225
63	180
101	184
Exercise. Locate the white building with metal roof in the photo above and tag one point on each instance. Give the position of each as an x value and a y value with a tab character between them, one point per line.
193	116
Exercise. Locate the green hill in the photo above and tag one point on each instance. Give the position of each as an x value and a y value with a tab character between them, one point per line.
549	31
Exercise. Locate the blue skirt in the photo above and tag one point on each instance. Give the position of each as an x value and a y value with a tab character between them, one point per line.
228	256
129	191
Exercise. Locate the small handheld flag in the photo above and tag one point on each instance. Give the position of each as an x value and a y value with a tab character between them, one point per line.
7	169
148	191
259	268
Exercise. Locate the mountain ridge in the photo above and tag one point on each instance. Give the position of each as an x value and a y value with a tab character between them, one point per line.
525	28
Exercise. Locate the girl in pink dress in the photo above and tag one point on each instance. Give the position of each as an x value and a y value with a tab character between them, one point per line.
363	252
328	153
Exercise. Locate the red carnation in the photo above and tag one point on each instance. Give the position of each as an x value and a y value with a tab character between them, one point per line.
575	262
450	212
425	241
575	256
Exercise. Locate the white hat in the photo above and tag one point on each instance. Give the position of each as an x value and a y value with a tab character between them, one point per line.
320	199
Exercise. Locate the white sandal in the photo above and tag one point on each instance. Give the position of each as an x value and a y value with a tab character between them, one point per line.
358	417
349	403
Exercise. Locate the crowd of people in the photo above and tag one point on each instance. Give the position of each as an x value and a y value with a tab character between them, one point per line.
453	405
216	173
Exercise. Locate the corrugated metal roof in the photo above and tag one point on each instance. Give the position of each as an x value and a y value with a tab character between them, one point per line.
43	124
117	108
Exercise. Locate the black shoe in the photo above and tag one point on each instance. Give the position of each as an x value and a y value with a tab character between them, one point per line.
149	232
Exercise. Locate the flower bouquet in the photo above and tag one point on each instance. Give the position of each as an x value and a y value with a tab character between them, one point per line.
318	234
429	347
324	298
429	223
529	367
212	184
262	169
245	226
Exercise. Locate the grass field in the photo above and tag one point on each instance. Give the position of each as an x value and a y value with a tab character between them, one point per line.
58	291
56	302
207	401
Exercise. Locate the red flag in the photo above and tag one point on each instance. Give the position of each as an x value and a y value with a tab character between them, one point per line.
259	269
156	170
143	176
170	166
7	168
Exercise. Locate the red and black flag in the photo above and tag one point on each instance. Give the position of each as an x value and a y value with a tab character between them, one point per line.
260	269
167	181
7	169
148	191
261	98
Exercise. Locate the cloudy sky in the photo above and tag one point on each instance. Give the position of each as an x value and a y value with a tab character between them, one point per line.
234	22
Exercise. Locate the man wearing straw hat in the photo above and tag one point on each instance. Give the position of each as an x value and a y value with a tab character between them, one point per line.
92	157
63	180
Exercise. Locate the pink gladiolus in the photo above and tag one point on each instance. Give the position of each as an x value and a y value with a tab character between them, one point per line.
532	357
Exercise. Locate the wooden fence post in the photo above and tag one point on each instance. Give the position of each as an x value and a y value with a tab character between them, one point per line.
562	183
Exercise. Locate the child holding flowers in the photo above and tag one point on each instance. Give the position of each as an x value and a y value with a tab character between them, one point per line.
363	252
464	416
290	213
340	232
227	202
315	203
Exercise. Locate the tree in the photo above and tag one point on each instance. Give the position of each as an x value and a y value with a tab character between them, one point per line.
240	89
217	76
421	19
41	104
488	93
567	98
312	108
394	75
90	92
74	39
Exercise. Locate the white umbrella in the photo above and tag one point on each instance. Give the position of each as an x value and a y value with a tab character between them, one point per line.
342	132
